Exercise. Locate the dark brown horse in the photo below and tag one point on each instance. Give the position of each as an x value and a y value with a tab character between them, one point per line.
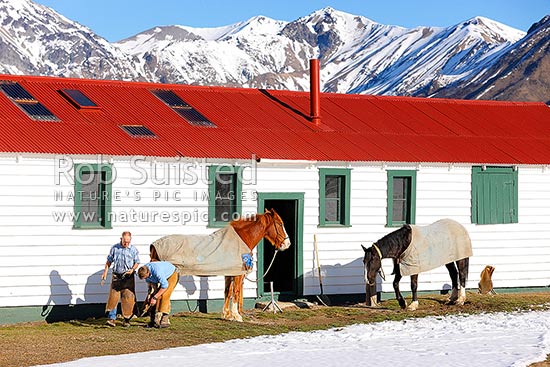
445	236
268	225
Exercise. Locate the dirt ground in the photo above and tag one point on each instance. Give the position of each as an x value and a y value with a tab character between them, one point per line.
31	344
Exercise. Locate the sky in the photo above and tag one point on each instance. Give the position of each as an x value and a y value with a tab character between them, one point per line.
119	19
485	340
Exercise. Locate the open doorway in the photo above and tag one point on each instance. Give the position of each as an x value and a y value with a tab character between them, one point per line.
287	269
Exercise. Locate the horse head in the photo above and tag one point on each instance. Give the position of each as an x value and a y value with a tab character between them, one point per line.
275	231
372	260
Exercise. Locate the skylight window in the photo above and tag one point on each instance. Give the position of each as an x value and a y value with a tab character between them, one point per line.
182	108
138	131
26	102
78	99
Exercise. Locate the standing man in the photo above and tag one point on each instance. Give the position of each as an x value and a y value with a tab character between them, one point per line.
125	260
161	277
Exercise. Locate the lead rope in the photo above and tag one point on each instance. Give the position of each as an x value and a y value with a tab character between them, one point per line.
268	268
272	260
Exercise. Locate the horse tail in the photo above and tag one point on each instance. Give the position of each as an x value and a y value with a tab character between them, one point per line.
153	254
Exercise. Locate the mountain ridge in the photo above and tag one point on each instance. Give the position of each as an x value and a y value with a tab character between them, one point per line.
357	55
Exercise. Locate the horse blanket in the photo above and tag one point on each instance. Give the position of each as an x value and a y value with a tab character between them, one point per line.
222	252
435	245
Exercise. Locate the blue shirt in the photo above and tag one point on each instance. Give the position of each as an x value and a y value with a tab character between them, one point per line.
160	271
123	258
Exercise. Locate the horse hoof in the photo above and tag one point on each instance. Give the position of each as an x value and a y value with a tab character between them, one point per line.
232	317
413	306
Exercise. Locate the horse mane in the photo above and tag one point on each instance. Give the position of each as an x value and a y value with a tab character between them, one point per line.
248	228
397	241
243	221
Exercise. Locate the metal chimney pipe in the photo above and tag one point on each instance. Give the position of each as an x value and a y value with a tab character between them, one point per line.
315	91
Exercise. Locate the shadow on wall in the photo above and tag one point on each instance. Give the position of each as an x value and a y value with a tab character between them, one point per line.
59	308
188	283
355	270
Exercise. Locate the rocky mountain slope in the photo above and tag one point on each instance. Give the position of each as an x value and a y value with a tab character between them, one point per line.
522	73
357	55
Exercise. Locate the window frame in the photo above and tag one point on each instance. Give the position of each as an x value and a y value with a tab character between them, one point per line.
189	113
479	213
68	94
27	103
212	173
106	198
391	174
345	174
138	131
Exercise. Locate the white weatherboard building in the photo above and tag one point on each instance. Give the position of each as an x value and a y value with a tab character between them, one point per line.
83	160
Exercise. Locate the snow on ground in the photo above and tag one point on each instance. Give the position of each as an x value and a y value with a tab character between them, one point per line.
488	340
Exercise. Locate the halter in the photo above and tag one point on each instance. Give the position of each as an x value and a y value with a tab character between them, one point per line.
377	250
277	234
381	271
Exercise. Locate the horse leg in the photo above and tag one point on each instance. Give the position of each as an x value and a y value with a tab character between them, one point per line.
228	292
463	266
451	267
414	287
398	296
237	307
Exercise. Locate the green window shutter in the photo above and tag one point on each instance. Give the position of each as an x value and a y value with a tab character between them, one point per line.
401	199
494	195
224	194
93	196
334	196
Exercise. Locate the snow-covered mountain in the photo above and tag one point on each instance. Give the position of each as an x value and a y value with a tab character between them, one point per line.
357	54
34	39
522	72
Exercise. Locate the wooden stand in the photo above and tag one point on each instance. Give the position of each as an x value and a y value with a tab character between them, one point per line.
272	304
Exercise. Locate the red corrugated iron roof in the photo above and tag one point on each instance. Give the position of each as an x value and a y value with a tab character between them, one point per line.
275	125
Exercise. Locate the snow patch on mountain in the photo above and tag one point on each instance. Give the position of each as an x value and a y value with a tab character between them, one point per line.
357	54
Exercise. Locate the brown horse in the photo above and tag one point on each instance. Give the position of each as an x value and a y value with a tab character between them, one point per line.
268	225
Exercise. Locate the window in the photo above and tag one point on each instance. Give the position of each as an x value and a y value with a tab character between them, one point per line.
92	206
401	198
224	195
26	102
182	108
78	99
334	196
138	131
494	195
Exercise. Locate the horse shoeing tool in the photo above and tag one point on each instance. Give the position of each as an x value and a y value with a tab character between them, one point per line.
272	304
146	305
321	297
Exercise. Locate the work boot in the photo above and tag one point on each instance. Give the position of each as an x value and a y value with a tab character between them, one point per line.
164	321
151	322
126	322
158	318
